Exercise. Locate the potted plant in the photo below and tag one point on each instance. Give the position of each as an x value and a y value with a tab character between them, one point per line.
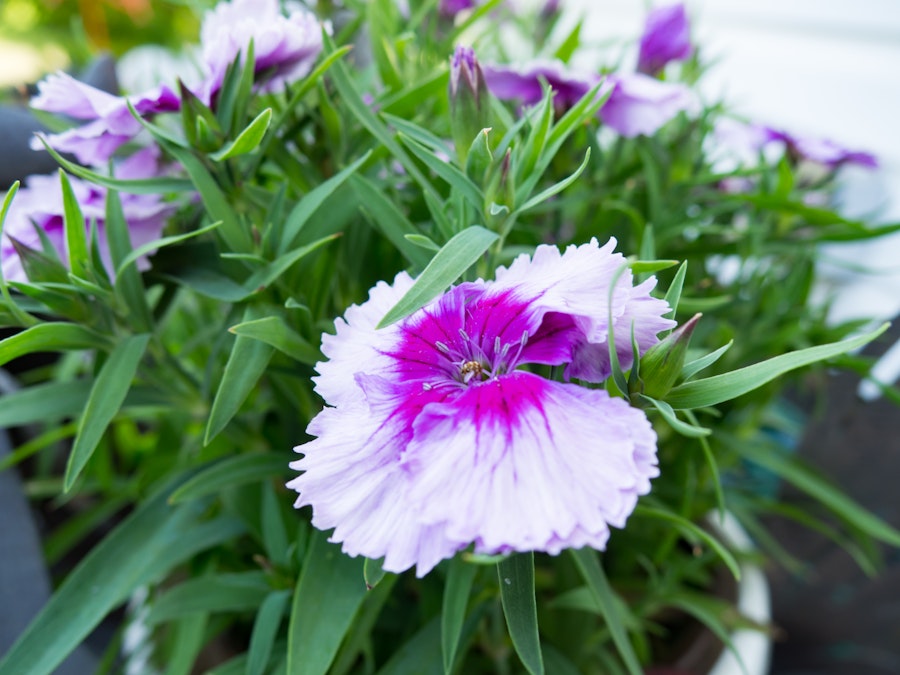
468	292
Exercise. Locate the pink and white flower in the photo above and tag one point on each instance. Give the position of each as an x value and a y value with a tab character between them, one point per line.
436	437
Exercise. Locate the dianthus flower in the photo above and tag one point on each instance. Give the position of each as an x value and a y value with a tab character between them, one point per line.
110	122
40	204
637	104
440	433
667	37
285	48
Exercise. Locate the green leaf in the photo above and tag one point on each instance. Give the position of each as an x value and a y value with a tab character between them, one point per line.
673	295
128	285
141	186
349	91
373	572
456	256
804	479
520	609
422	241
719	388
453	613
265	630
389	220
246	365
693	531
450	173
75	234
310	203
248	140
49	337
420	655
274	331
693	367
230	472
47	402
328	594
22	317
650	266
134	254
608	604
556	188
235	592
683	428
106	397
124	559
266	276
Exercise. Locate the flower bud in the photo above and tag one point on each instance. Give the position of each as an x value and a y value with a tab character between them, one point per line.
661	364
468	100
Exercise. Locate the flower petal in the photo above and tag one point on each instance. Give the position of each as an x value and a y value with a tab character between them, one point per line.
356	346
356	484
576	284
522	463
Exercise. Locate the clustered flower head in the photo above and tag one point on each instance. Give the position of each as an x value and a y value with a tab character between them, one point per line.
440	433
39	205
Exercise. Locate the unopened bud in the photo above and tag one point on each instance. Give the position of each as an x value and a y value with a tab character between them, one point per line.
662	363
468	100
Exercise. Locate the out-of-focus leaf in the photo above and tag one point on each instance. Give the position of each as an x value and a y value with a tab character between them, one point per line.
49	337
232	471
236	592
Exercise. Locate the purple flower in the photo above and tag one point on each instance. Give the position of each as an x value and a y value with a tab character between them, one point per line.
40	204
640	104
285	47
436	439
822	150
523	83
667	37
453	7
110	122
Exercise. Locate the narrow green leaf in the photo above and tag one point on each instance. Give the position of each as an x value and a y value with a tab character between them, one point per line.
650	266
608	604
274	331
49	337
420	655
275	535
373	572
18	314
235	592
450	173
456	256
248	140
347	88
389	220
693	367
520	609
266	276
673	295
328	594
692	530
47	402
141	186
568	46
246	365
683	428
128	284
422	241
556	188
75	231
124	559
134	254
804	479
311	202
421	134
106	397
453	613
719	388
230	472
265	630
